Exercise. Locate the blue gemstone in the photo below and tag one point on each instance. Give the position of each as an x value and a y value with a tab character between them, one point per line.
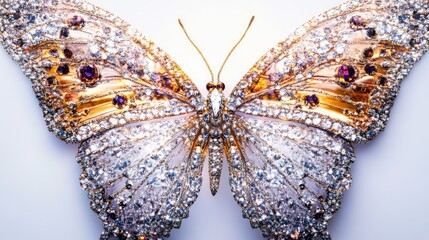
402	18
31	18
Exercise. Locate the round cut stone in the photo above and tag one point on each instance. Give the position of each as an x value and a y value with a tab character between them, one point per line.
347	73
63	69
311	100
88	74
120	101
64	33
68	53
368	53
76	22
356	21
370	69
382	81
51	80
370	32
54	52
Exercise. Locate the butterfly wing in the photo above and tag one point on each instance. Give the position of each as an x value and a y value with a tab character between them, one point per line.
341	71
288	178
90	70
332	82
142	178
100	82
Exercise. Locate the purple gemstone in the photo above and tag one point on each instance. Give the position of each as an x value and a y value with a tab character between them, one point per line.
68	53
120	101
166	79
64	32
368	53
77	22
371	32
348	73
370	69
51	80
312	100
63	69
88	73
356	21
54	53
382	81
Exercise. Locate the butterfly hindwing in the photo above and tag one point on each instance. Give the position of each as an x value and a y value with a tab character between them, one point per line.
288	178
90	70
142	178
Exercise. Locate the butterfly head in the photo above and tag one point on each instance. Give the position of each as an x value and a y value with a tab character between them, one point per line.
216	100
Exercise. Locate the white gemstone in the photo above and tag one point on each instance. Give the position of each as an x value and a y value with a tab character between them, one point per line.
339	48
94	49
216	102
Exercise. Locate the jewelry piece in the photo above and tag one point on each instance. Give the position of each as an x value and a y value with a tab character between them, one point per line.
145	129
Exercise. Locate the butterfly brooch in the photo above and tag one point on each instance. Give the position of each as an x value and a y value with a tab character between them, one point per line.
285	130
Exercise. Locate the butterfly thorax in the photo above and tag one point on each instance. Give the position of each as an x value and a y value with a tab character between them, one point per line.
214	119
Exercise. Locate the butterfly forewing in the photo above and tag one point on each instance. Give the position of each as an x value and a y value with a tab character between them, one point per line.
90	70
340	71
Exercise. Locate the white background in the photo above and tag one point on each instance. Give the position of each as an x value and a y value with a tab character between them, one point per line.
40	196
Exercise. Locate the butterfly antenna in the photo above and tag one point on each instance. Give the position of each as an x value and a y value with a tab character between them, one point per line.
199	51
233	48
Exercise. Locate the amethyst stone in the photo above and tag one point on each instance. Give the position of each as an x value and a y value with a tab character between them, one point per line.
76	22
348	73
88	74
356	21
68	53
64	32
370	69
311	100
370	32
51	80
382	81
368	53
120	101
54	53
63	69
